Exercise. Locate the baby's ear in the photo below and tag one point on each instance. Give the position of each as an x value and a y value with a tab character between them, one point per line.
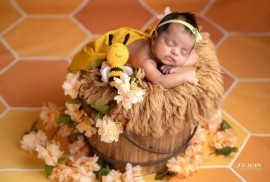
154	36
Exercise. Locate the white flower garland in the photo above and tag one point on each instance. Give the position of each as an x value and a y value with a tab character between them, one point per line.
78	166
108	129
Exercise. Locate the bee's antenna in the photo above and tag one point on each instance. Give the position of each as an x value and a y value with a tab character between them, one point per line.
126	38
110	39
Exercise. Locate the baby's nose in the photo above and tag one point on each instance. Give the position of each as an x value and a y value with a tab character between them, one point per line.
174	52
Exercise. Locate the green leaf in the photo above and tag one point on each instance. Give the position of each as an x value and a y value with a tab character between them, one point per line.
63	119
62	160
48	170
226	151
96	63
34	127
102	108
161	176
74	101
99	116
101	163
103	172
71	124
132	79
224	125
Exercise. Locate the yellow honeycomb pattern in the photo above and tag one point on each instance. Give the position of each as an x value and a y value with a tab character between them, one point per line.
39	38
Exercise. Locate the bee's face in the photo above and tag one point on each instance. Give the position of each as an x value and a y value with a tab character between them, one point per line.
117	54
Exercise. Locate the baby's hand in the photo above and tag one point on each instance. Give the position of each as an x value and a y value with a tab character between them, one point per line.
167	69
191	78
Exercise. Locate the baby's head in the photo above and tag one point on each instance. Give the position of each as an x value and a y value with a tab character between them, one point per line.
187	17
174	38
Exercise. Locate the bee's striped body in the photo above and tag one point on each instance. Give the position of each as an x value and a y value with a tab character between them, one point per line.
114	72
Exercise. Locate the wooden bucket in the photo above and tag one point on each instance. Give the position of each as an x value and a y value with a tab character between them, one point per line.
150	153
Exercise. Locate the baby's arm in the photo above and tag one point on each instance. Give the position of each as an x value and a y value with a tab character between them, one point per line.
168	80
192	59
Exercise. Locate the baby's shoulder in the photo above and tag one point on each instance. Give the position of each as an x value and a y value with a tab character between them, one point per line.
147	61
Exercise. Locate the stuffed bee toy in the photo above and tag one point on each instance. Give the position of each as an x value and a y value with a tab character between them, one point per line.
117	57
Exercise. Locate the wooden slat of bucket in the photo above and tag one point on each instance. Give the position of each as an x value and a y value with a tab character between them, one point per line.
124	150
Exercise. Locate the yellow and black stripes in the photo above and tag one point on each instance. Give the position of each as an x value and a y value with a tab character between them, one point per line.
114	72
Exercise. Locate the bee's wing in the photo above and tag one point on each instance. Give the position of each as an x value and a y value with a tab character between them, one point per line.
104	74
128	70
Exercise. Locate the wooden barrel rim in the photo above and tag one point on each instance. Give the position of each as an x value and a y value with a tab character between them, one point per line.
152	150
162	160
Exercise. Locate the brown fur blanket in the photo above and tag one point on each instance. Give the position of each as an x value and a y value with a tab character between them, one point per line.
164	110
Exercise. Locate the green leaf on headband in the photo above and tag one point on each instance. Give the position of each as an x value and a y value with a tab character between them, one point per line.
226	151
48	170
224	125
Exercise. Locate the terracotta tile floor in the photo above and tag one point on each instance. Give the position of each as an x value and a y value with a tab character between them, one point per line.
39	38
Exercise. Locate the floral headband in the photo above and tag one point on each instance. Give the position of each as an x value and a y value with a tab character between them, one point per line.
195	31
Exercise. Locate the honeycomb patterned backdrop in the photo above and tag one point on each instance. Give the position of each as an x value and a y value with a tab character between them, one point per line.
39	38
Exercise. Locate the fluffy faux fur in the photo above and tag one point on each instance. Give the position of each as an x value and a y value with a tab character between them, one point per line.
164	110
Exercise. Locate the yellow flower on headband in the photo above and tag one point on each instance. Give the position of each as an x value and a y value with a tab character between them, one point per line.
197	34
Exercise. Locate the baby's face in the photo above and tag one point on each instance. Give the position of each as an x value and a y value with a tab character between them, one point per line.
173	46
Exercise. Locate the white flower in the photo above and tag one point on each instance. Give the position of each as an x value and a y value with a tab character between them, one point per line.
183	166
174	164
113	176
62	173
108	129
128	94
78	147
84	123
200	136
73	111
188	163
195	153
64	131
213	124
122	84
81	177
137	93
224	139
32	139
86	127
72	84
49	114
187	168
167	10
86	164
50	154
133	174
